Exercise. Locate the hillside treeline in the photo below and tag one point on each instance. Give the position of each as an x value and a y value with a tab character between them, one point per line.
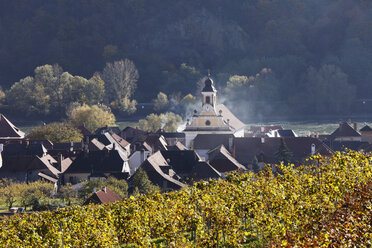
317	52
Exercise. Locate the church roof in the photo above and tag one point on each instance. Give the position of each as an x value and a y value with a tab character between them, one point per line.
234	122
208	86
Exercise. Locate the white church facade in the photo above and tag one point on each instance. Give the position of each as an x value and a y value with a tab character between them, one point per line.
213	118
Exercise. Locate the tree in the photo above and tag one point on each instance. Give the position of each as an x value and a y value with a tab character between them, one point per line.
125	106
67	193
92	117
56	132
33	194
80	90
161	102
120	80
153	122
328	90
2	97
28	97
51	91
9	191
172	122
141	183
283	154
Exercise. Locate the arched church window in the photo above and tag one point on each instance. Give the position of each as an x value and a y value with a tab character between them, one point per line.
208	123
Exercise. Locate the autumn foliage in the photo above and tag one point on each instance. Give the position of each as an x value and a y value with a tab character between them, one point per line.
325	203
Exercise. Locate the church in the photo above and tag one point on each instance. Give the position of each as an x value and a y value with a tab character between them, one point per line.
213	118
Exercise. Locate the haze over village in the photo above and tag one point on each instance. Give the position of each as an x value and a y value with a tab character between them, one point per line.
185	124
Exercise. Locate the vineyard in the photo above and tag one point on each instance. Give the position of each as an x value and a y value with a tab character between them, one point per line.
325	203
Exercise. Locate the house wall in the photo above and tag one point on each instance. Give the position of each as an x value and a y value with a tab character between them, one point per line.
17	176
75	178
135	160
348	139
239	133
367	137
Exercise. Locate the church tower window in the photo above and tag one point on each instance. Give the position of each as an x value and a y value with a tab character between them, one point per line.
208	100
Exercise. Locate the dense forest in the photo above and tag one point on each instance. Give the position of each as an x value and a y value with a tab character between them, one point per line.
270	56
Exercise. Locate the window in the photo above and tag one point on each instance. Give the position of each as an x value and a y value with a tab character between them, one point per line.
208	123
208	99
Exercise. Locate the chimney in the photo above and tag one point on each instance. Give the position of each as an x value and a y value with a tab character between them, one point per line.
262	129
276	134
104	189
312	149
230	143
355	126
340	127
60	158
114	146
262	140
71	146
142	156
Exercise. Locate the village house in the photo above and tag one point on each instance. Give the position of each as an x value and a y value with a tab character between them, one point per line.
265	149
366	133
223	161
97	164
8	131
203	143
104	195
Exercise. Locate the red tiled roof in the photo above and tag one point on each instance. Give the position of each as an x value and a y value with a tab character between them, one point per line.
103	196
120	140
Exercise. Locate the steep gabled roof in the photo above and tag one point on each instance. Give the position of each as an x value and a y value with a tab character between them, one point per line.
366	128
344	130
343	145
203	170
47	177
65	164
120	140
103	196
210	141
221	159
95	145
246	148
234	122
45	162
98	161
155	166
108	129
8	130
287	133
182	162
177	147
157	142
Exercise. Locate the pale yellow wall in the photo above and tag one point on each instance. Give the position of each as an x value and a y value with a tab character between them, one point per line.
216	121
